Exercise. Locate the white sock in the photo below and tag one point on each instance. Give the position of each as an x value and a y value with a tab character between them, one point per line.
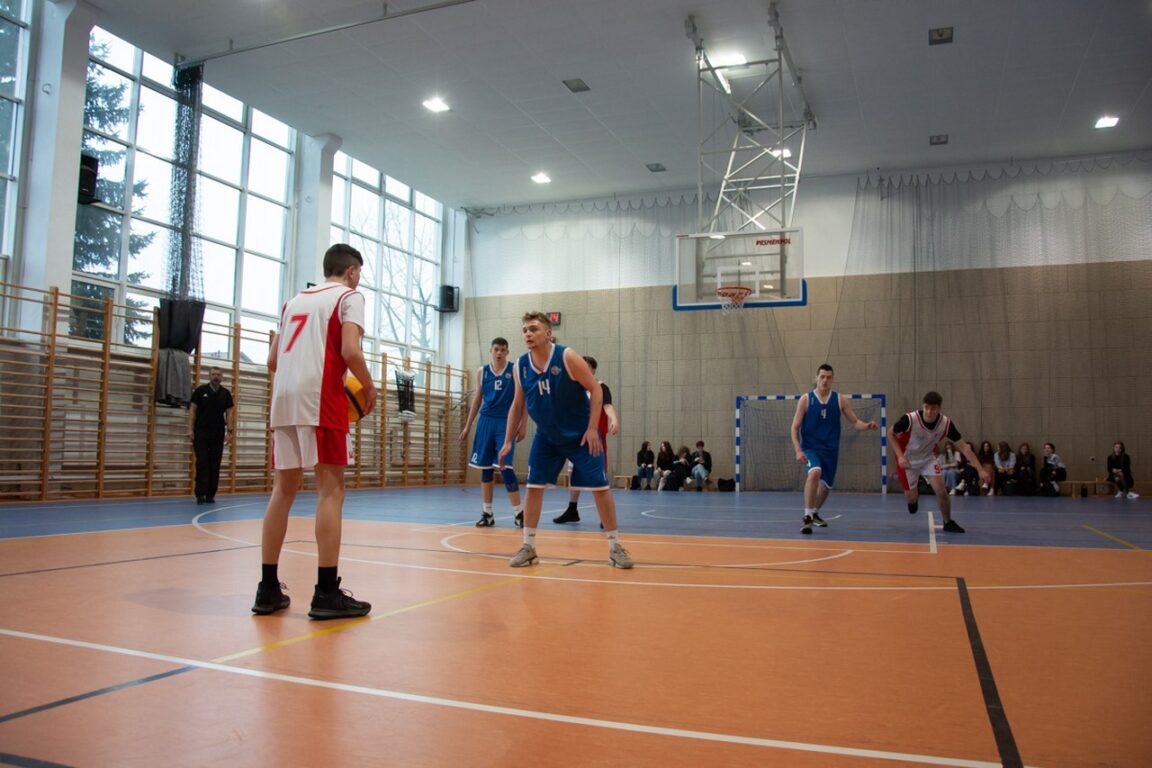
487	509
518	508
809	512
613	538
530	536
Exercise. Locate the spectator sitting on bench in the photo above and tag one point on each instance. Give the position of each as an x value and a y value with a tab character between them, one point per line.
1025	470
664	461
645	464
1120	472
701	465
987	455
1053	472
1005	460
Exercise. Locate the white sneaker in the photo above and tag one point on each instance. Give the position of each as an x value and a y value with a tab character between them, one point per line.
1133	495
952	492
619	557
1119	495
526	556
1056	487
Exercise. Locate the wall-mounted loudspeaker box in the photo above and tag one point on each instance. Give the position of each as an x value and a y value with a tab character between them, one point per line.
449	298
89	172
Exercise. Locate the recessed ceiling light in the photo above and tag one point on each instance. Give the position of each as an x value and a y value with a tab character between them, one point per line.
715	237
768	286
785	153
541	178
1107	121
940	36
938	139
436	104
656	167
576	85
745	263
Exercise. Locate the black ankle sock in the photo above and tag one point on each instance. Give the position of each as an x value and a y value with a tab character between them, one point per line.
268	573
326	579
913	508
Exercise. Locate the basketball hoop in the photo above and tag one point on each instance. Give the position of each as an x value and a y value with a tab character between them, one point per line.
732	297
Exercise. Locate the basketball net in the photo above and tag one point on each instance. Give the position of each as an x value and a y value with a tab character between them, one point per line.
732	297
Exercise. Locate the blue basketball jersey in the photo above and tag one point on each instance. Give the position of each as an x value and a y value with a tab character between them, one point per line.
820	429
497	391
558	404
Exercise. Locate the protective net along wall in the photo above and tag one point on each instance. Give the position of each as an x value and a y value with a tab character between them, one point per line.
766	460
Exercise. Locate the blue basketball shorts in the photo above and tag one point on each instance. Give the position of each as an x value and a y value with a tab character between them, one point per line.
825	461
546	461
487	443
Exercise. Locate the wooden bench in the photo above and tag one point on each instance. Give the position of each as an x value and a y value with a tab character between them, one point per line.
1096	487
622	481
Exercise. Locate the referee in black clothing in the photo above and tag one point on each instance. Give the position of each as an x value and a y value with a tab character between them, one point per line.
208	427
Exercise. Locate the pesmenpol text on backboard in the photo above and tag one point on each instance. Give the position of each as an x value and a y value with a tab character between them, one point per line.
768	262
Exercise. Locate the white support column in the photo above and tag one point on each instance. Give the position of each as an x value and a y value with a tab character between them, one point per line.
314	212
455	258
56	125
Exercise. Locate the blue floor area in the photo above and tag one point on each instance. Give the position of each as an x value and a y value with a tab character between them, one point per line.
1103	523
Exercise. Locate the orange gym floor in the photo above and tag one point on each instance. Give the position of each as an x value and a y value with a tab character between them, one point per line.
126	637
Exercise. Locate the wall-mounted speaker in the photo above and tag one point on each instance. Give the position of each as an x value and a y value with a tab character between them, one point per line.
449	299
89	173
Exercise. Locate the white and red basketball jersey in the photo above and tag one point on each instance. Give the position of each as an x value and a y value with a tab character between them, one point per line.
309	386
919	442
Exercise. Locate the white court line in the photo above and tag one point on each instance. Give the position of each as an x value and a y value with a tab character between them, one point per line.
651	513
446	542
931	533
615	725
681	585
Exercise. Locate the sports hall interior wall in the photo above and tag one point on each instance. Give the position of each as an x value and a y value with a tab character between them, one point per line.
1049	351
1054	354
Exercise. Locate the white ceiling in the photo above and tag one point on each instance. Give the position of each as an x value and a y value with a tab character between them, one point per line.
1023	79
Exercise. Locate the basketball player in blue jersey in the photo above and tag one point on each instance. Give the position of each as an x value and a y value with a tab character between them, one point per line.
559	392
816	438
493	398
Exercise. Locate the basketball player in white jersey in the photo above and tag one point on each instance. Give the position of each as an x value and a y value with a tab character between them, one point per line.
318	343
914	439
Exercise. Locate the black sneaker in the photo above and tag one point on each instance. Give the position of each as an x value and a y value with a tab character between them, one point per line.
569	516
807	529
486	521
818	521
270	598
519	520
337	604
953	527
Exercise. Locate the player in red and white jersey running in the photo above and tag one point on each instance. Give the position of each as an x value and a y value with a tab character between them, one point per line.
317	344
914	439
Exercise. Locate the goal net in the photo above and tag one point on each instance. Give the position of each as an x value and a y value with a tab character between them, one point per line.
766	460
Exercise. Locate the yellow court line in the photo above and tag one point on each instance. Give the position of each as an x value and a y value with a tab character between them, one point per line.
378	617
1118	540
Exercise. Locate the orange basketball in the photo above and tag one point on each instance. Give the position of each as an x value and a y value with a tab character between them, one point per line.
357	402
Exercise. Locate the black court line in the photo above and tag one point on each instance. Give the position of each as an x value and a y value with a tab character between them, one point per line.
91	694
1001	729
28	762
102	563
